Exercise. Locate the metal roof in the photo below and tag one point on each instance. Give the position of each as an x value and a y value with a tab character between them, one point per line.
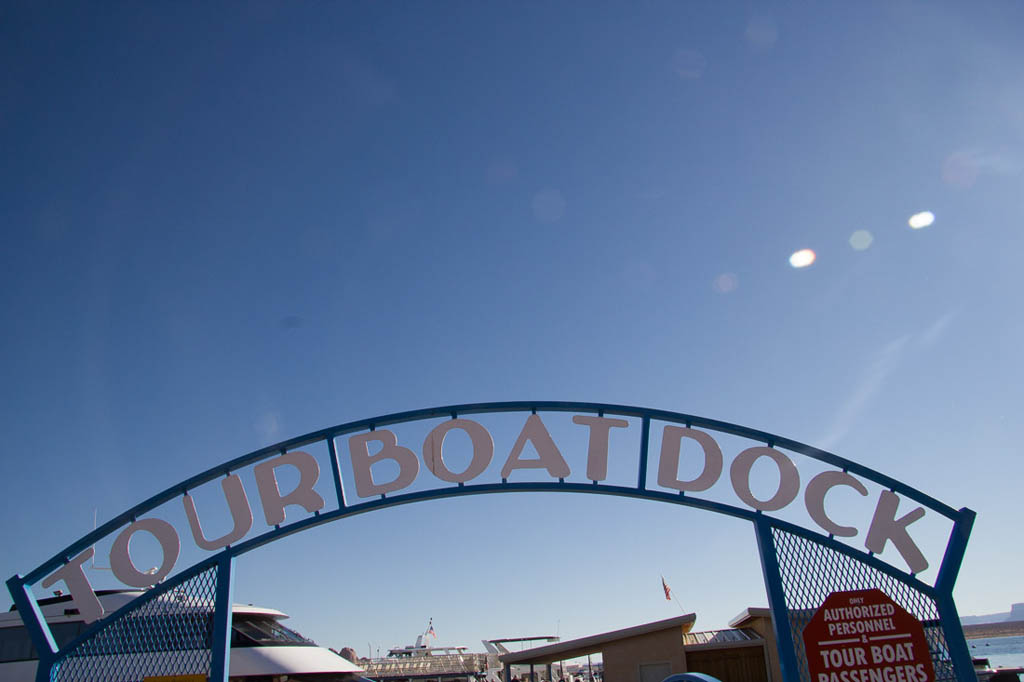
749	614
719	637
588	645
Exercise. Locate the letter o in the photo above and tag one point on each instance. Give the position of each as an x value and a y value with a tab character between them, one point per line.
121	560
483	450
789	478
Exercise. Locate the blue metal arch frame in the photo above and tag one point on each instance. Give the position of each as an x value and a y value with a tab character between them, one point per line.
941	591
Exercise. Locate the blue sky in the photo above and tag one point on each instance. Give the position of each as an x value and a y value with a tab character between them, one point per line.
226	225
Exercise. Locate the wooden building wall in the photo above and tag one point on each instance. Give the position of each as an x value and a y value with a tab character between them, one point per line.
623	658
733	664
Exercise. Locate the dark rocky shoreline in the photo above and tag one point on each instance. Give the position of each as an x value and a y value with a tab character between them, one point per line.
1004	629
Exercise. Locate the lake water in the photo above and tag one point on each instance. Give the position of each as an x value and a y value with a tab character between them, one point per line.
1001	652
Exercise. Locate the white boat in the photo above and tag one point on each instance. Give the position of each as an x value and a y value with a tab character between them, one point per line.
420	649
262	648
420	661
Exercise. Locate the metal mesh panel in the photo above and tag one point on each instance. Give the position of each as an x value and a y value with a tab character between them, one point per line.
811	571
169	634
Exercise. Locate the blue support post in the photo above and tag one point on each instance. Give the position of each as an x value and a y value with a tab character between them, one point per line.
959	652
777	602
35	623
220	644
339	489
645	437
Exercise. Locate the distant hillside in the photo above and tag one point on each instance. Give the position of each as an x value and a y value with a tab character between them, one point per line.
1013	628
1016	612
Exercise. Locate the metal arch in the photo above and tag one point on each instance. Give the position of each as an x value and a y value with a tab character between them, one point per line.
647	414
941	592
227	555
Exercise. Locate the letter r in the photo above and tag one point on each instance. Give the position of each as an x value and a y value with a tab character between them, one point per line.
304	495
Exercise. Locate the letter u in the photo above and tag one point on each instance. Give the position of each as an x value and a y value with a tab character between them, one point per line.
241	515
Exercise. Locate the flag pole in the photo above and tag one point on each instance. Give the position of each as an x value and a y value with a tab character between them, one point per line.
670	595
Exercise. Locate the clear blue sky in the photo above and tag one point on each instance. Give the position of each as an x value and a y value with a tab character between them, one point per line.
229	224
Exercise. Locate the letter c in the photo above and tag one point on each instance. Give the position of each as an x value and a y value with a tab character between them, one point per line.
814	499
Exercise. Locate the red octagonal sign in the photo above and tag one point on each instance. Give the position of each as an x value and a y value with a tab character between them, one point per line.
864	636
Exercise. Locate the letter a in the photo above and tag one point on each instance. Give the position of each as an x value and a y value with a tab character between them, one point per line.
550	458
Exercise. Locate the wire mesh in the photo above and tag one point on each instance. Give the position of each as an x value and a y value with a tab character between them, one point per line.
811	571
168	634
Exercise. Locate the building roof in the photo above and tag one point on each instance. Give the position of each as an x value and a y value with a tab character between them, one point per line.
750	614
720	638
589	645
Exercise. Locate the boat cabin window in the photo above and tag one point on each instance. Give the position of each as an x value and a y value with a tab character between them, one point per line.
311	677
263	631
15	644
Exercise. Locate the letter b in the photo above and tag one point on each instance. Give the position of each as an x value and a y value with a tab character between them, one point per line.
362	460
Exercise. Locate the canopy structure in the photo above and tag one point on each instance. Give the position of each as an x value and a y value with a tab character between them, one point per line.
574	648
653	651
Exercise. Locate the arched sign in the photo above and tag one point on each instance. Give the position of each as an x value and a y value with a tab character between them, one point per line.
783	487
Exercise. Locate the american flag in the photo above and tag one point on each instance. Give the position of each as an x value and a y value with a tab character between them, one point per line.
668	591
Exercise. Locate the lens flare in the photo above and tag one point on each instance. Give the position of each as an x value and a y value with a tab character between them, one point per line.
802	258
726	283
861	240
922	219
